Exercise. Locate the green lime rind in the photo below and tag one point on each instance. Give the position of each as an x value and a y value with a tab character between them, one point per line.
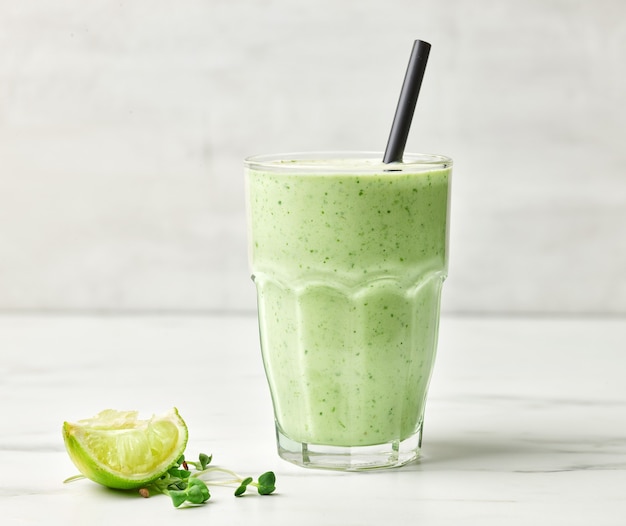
119	451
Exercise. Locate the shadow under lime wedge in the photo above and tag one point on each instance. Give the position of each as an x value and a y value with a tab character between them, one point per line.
118	450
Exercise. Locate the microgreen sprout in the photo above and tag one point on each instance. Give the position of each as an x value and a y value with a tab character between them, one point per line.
265	484
184	486
178	484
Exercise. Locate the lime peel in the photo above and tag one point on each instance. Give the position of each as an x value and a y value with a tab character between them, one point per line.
118	450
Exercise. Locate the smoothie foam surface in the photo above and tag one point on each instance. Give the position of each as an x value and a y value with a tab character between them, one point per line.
367	163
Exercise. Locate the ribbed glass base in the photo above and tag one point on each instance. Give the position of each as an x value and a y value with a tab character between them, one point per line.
357	458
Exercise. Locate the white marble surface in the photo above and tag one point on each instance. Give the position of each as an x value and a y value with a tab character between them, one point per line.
123	125
525	424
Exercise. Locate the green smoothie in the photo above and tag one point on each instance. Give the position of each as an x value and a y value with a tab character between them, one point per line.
348	257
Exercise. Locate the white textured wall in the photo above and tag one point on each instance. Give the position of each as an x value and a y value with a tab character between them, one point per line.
123	125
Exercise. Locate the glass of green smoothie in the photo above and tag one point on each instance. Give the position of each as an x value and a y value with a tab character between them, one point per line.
348	256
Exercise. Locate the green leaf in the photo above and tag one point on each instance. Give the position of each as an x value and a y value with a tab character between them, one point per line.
175	472
267	483
240	490
195	495
246	481
178	497
266	490
198	486
205	460
268	478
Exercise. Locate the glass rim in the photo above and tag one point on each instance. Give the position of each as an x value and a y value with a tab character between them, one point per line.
344	162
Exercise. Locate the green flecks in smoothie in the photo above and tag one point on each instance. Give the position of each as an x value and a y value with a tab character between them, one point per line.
348	350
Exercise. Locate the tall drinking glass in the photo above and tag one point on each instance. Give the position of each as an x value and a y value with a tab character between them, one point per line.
348	256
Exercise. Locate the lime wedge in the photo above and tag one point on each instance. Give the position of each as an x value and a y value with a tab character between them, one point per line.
118	450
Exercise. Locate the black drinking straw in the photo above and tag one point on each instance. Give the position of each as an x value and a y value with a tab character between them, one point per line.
406	103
